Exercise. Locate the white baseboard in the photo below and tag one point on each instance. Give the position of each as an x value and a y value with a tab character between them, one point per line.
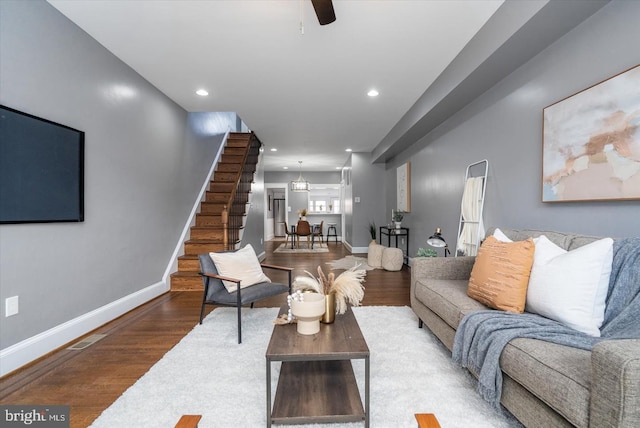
359	250
28	350
355	250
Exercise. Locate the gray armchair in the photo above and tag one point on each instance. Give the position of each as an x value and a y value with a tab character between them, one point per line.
216	294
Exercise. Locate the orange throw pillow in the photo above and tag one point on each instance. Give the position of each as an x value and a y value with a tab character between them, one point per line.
500	274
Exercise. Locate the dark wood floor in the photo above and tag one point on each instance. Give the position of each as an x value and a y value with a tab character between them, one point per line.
92	379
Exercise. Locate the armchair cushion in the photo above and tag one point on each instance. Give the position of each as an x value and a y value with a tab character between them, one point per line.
211	285
249	294
242	265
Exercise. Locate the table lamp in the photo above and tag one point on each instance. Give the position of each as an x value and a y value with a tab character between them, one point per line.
437	241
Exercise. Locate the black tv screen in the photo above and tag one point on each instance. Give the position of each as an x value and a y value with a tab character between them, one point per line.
41	170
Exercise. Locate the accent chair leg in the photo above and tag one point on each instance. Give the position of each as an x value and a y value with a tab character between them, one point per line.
239	324
419	323
202	312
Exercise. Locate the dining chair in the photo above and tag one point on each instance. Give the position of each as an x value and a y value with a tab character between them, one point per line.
303	229
317	232
289	233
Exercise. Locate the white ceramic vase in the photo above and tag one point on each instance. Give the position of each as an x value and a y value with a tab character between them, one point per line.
309	312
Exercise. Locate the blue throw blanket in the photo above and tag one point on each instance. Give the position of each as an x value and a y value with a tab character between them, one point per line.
482	335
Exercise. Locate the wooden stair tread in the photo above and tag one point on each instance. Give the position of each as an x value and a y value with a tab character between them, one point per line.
186	275
205	241
235	142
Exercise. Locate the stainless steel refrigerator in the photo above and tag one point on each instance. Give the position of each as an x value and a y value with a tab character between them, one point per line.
279	217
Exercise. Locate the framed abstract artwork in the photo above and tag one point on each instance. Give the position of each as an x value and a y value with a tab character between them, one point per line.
591	143
403	192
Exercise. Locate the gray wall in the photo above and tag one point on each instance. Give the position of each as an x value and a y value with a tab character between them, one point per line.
347	174
504	125
367	184
145	162
253	232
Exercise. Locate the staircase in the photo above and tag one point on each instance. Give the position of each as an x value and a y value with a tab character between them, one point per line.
228	190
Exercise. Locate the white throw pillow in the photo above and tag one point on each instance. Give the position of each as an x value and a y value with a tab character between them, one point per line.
242	264
500	236
571	287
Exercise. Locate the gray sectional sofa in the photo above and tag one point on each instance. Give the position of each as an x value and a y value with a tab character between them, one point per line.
544	384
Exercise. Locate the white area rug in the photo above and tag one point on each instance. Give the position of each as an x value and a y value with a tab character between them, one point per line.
302	248
209	373
348	262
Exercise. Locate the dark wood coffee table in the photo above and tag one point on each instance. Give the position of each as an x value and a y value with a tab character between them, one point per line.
317	383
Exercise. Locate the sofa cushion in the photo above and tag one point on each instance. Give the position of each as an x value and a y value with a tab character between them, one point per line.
578	241
568	241
500	274
562	240
556	374
447	298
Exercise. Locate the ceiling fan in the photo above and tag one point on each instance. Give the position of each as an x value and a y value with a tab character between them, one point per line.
324	11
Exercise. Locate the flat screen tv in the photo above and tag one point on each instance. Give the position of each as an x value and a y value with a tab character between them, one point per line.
41	170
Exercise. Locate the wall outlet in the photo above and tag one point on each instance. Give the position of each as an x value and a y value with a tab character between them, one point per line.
402	241
356	199
11	306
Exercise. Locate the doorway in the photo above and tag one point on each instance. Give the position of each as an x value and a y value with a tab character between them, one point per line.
276	201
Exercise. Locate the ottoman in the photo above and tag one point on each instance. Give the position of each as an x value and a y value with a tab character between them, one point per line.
374	255
392	259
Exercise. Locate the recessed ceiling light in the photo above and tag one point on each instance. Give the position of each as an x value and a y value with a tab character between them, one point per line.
373	93
285	167
273	149
202	92
348	150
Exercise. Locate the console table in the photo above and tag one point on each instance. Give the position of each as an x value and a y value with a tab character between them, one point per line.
392	231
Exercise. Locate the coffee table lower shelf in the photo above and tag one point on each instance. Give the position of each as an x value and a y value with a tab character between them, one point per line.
318	391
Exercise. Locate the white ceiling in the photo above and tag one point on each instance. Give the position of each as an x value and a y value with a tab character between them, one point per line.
304	94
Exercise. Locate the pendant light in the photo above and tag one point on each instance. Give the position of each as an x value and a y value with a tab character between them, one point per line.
300	185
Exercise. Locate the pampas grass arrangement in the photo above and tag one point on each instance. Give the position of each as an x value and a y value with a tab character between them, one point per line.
347	287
